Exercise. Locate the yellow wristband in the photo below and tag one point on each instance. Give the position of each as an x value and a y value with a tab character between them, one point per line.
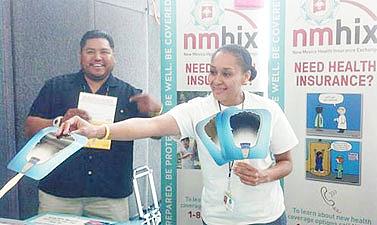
107	132
153	114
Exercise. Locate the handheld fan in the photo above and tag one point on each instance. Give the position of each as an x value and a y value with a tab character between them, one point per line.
236	134
41	154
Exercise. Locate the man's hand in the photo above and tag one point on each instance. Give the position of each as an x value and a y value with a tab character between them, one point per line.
76	112
146	103
249	175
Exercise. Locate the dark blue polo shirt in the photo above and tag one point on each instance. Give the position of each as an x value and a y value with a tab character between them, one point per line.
88	172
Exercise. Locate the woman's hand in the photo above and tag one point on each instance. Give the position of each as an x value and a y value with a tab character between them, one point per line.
80	126
249	175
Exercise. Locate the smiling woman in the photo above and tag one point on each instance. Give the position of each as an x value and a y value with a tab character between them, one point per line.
230	68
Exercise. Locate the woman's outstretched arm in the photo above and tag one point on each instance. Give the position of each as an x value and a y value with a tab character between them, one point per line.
131	129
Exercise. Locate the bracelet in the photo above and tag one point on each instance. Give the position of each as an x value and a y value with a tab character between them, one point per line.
153	114
57	121
107	132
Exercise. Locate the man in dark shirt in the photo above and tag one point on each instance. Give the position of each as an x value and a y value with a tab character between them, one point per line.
92	182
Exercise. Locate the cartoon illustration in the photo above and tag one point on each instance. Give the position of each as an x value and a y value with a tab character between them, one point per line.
339	167
319	158
319	162
328	115
341	120
336	161
318	122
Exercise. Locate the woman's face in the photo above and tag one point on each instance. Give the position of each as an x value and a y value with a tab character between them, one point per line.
226	79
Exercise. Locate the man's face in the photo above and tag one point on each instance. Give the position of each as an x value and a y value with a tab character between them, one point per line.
97	59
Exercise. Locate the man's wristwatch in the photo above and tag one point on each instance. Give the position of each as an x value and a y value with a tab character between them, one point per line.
57	121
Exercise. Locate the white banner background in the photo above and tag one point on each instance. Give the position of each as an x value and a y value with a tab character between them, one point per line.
332	201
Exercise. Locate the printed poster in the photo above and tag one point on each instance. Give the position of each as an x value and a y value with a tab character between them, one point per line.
329	77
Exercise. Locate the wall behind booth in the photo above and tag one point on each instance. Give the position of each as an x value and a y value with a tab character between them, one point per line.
9	206
44	42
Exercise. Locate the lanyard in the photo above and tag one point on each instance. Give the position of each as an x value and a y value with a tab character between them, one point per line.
230	164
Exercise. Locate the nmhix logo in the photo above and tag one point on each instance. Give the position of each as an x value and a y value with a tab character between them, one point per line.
318	11
339	33
208	14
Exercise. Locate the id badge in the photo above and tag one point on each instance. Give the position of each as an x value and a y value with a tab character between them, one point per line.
228	201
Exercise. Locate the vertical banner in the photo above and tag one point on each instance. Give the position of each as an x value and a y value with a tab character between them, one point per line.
168	98
187	43
330	92
276	71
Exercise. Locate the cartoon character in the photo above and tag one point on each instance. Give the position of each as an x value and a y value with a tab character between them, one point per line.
318	121
339	167
319	162
319	158
341	120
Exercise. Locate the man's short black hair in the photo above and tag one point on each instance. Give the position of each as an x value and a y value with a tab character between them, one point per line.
96	34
